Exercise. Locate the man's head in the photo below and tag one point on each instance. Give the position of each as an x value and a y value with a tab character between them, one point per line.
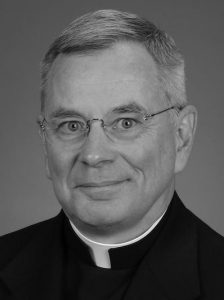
114	69
102	29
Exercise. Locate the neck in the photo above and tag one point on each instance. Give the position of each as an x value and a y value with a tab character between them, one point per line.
92	242
123	232
100	251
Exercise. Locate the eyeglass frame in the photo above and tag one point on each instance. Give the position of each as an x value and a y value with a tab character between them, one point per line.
146	116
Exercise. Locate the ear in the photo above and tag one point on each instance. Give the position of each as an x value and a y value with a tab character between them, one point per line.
44	143
185	132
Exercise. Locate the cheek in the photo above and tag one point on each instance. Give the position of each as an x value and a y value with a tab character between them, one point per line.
152	158
59	163
165	156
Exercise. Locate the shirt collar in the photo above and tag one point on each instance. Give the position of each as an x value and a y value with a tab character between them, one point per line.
100	252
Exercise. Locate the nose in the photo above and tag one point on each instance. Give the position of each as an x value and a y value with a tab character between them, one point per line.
97	150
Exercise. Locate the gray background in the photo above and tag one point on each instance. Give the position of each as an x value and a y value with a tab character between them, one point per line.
27	27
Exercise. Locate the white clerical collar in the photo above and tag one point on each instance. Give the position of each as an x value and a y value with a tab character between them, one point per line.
100	251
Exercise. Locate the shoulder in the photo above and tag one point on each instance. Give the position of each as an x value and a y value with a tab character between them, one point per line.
210	242
202	246
210	253
12	243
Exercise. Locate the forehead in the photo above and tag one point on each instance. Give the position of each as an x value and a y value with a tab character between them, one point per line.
102	80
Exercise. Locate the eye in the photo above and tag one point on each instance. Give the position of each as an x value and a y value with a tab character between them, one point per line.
71	126
126	123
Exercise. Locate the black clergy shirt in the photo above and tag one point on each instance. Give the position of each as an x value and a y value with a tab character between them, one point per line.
84	280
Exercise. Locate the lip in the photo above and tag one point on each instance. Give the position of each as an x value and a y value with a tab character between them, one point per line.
100	184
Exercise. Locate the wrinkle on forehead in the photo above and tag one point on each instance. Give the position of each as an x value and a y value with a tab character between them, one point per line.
122	72
128	60
92	82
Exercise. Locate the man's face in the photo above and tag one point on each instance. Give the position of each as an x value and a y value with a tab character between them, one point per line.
104	183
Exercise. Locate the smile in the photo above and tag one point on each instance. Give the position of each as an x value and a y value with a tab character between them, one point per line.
101	184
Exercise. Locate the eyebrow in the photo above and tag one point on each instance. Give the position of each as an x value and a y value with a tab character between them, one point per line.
131	107
61	113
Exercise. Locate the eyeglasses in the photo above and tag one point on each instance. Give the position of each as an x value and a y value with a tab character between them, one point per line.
123	127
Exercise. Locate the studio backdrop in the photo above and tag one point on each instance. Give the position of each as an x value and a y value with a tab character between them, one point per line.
26	29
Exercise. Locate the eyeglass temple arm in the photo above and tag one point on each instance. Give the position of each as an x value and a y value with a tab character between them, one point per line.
147	116
41	123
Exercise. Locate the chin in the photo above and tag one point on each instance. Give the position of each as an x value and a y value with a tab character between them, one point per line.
94	213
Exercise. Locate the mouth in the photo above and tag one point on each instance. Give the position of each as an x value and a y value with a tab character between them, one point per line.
101	184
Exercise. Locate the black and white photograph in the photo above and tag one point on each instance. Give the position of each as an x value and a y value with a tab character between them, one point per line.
112	144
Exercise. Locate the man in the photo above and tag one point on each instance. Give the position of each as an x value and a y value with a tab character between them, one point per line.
116	129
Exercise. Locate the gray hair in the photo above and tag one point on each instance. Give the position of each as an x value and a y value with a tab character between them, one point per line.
102	29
